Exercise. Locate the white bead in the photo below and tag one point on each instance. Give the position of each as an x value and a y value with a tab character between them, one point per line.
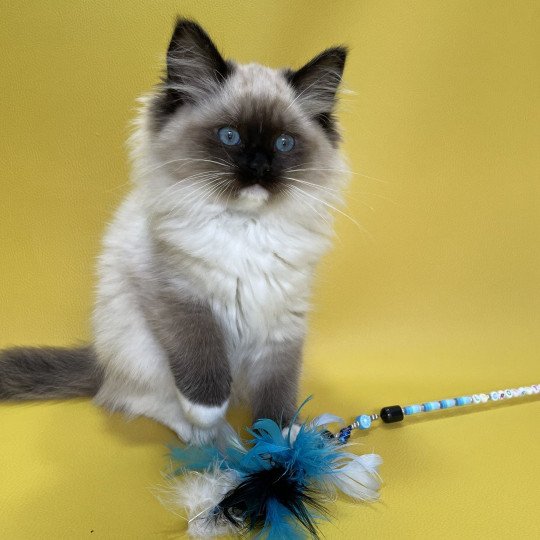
484	397
508	393
477	398
528	390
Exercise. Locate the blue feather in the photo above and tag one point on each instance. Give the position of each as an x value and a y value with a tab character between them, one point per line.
282	483
277	525
195	458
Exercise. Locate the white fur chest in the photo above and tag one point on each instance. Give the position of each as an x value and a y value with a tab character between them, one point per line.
256	272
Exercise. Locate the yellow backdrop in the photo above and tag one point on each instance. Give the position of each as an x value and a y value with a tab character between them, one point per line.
435	293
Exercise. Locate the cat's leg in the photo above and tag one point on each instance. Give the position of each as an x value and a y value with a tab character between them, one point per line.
194	344
137	379
138	362
273	381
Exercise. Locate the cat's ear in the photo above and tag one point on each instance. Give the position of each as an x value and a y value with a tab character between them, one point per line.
195	68
317	82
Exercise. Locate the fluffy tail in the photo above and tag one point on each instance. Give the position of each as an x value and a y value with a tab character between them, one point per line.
48	373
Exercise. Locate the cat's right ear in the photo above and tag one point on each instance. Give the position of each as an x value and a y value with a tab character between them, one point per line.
317	82
195	68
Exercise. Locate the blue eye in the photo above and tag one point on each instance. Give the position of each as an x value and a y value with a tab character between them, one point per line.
229	136
284	143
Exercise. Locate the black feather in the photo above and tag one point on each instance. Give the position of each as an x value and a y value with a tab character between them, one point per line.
246	505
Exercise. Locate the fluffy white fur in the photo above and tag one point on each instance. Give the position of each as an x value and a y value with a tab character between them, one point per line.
263	253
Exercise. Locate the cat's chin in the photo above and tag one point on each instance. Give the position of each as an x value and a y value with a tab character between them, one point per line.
252	197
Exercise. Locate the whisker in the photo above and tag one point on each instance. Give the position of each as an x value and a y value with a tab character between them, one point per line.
183	183
179	187
335	209
331	191
325	188
303	201
207	182
200	194
338	170
187	161
211	192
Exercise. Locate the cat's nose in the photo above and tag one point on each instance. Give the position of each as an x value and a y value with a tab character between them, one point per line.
259	165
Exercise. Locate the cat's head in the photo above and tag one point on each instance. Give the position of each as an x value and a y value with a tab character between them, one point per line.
245	136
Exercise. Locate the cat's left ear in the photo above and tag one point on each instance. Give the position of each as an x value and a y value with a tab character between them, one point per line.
195	69
317	82
194	65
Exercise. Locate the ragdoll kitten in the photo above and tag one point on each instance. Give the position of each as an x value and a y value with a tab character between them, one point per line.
206	271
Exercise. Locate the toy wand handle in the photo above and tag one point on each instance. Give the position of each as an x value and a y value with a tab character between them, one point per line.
396	413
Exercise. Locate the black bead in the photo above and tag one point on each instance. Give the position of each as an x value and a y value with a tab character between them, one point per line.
391	414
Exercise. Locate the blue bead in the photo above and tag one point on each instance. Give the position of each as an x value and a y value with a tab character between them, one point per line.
447	403
432	406
344	434
463	400
364	421
412	409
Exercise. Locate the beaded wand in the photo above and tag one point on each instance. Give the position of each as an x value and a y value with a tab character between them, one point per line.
281	480
396	413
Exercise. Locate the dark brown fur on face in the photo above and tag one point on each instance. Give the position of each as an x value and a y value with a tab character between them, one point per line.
197	75
259	127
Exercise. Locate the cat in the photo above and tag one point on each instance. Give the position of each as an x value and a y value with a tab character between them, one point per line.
206	270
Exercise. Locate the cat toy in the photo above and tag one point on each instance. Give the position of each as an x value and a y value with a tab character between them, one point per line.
279	484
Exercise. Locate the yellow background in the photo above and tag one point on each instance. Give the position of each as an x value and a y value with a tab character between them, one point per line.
436	294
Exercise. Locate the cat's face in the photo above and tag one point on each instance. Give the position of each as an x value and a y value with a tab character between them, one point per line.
246	136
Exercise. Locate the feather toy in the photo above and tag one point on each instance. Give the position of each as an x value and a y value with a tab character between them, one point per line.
278	484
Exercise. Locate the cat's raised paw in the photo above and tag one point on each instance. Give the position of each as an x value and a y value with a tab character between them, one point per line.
203	416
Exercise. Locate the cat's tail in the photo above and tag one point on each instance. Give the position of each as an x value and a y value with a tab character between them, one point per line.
48	373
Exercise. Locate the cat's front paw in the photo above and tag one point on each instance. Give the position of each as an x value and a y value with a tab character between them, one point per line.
199	436
191	434
203	436
203	416
201	424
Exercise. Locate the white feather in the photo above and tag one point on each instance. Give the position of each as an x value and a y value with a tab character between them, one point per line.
199	493
358	477
325	419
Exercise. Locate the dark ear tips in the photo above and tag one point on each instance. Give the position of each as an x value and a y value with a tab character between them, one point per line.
335	56
189	39
316	85
329	63
187	25
186	29
195	69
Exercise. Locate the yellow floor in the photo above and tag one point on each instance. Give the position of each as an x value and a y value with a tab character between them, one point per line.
436	294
